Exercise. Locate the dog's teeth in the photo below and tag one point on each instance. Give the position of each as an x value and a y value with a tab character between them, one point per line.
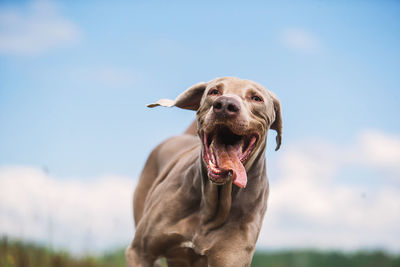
215	170
212	144
212	155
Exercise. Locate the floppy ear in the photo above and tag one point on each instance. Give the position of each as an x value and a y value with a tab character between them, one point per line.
189	99
277	124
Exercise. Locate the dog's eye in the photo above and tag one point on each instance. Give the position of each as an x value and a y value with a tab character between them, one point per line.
214	92
256	98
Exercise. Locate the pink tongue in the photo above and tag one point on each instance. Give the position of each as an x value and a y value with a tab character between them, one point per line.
228	160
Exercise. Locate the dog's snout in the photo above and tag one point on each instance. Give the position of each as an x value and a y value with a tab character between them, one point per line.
226	106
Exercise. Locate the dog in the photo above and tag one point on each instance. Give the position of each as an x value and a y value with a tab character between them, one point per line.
202	196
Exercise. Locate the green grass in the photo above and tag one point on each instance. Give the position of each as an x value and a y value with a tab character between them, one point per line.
310	258
22	254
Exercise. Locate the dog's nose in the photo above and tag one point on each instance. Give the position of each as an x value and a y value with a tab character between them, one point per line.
226	106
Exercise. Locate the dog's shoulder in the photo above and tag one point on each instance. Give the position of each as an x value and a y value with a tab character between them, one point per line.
175	147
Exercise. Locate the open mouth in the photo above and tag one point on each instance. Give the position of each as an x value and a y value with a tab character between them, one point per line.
225	154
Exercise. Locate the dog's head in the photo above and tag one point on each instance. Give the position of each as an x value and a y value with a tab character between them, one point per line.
233	118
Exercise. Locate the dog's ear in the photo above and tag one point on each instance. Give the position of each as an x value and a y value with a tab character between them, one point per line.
277	125
189	99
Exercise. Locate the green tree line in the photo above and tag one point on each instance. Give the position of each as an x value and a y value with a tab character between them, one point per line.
24	254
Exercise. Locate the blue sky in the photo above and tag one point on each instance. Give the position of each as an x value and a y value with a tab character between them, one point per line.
75	78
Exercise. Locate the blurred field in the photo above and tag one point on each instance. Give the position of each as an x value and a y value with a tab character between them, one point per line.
324	259
19	254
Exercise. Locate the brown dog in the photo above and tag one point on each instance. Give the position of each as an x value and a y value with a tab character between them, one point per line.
201	201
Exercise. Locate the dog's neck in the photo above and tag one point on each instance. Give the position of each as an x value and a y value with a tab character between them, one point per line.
219	202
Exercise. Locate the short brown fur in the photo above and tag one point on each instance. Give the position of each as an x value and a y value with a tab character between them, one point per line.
179	213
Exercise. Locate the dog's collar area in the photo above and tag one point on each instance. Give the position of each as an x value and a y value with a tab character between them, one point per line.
225	154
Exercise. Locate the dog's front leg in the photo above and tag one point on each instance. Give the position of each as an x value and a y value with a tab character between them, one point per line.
134	260
233	251
223	259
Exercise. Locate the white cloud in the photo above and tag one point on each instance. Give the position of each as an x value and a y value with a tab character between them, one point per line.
82	216
35	30
380	150
109	76
300	40
312	206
